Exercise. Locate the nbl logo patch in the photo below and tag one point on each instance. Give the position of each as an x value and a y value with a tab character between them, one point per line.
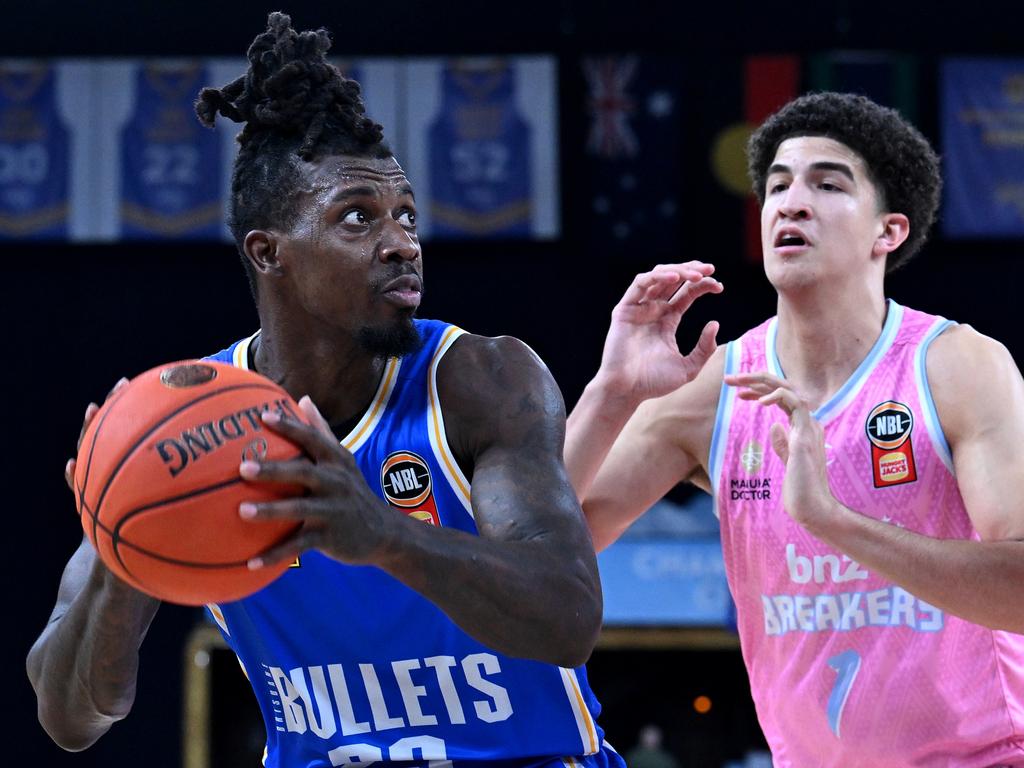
405	480
888	428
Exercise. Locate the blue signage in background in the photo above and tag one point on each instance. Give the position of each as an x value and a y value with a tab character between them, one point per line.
983	147
170	164
667	569
479	154
33	154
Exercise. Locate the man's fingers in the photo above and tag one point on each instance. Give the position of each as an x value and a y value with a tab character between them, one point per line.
690	291
90	414
295	472
69	474
780	441
120	383
316	441
662	282
287	550
308	407
706	344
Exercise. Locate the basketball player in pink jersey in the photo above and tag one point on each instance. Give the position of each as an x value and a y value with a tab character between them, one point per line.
864	460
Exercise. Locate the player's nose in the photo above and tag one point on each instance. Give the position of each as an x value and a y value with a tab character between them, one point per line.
795	203
398	244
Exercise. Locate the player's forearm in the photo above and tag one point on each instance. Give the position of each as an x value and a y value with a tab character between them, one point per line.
977	581
532	599
591	430
84	665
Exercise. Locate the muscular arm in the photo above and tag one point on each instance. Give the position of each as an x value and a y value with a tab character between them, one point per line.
528	585
622	460
979	396
83	666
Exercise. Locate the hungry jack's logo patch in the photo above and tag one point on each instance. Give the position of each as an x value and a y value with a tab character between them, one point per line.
405	480
888	428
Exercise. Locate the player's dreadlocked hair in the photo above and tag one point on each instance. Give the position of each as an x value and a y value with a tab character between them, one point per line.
295	106
900	162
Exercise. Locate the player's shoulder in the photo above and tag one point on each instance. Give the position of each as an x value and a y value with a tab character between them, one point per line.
969	377
960	353
482	375
473	351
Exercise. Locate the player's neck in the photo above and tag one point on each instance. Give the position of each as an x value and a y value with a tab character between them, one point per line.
822	339
337	373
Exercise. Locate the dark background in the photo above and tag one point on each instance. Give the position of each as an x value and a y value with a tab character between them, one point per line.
78	317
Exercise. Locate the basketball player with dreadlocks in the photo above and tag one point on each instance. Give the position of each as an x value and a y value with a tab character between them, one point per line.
424	621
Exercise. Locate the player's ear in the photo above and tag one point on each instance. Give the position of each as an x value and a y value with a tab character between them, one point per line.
895	227
261	249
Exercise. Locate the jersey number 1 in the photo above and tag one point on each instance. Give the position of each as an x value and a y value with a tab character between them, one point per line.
846	665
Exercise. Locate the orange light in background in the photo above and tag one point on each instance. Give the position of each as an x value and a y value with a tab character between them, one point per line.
702	704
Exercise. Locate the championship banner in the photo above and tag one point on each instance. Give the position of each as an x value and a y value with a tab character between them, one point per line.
34	154
983	147
170	164
482	147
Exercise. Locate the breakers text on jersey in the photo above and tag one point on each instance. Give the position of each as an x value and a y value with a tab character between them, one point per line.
884	607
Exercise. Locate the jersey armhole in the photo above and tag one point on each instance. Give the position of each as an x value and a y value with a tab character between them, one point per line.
924	393
435	425
723	419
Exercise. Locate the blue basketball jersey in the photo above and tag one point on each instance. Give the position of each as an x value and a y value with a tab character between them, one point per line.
170	164
350	666
480	181
34	155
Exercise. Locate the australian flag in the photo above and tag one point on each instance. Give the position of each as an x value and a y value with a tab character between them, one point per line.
629	198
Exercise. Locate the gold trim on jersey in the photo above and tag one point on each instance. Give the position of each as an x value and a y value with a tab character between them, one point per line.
438	439
584	722
218	616
362	431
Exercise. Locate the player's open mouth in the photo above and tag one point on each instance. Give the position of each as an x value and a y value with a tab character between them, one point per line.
790	240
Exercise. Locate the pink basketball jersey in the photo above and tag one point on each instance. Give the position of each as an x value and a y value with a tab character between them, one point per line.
846	668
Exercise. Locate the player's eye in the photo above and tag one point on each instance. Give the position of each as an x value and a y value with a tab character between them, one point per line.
778	186
354	216
407	219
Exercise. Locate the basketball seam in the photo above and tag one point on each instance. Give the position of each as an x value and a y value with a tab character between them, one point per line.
117	540
128	453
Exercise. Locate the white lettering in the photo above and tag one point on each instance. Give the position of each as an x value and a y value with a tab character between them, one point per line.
411	694
442	668
827	612
294	717
771	621
326	727
902	608
804	605
799	566
349	725
500	707
784	607
852	616
361	755
878	607
382	720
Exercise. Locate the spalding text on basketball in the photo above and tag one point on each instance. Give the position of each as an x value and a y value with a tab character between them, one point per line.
179	452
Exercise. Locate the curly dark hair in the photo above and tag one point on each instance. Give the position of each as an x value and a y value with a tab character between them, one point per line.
900	162
296	106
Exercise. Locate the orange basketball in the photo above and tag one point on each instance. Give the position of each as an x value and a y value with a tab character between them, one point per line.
157	483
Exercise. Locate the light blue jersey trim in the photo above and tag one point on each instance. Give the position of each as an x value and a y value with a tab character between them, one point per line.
849	390
723	418
924	393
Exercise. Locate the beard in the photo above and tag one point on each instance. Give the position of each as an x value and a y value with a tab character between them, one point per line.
396	340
